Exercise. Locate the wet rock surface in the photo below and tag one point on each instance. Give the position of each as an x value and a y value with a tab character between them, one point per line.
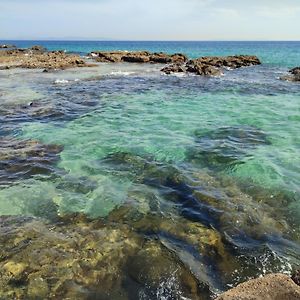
294	75
137	57
226	146
38	58
82	259
270	287
21	159
212	66
198	196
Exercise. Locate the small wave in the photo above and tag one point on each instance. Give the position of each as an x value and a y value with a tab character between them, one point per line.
123	73
65	81
61	81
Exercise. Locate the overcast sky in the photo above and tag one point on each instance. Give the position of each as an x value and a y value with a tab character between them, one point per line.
150	19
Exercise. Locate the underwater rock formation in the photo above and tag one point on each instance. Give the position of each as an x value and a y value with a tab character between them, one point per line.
82	259
226	146
21	159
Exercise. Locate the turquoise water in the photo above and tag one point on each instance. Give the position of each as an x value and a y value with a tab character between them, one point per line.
130	130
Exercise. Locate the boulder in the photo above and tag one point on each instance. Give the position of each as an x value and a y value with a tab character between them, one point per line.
294	75
270	287
38	48
174	68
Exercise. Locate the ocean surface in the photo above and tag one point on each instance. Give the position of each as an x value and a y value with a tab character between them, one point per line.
221	153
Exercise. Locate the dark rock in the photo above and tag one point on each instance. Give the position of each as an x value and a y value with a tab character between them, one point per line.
295	75
226	146
270	287
38	48
295	71
21	159
137	57
211	66
174	68
296	277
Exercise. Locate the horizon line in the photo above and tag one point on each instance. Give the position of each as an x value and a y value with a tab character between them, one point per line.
118	40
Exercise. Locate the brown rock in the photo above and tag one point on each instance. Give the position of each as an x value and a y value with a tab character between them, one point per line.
210	66
174	68
137	57
38	58
270	287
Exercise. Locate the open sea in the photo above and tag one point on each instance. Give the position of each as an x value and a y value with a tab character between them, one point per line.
204	173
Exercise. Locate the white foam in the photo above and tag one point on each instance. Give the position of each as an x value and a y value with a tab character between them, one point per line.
123	73
61	81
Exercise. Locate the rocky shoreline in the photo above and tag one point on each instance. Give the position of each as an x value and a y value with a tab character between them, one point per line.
37	57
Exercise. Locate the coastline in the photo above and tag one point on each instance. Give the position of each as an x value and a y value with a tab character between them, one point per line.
144	235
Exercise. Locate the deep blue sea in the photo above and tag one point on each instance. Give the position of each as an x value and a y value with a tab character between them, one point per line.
190	184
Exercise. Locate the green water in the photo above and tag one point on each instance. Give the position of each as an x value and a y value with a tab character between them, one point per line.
219	152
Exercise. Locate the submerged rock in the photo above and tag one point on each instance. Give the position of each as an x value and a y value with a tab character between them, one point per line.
212	66
20	159
269	287
137	57
202	198
226	146
77	258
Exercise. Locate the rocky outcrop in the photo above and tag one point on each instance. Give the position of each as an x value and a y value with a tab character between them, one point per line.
270	287
137	57
294	75
38	58
212	66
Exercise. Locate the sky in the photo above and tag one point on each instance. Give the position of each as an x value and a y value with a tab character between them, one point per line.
150	19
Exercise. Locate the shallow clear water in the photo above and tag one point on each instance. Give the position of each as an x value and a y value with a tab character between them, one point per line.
222	152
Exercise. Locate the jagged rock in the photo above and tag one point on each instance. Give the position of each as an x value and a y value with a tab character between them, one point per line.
295	75
270	287
174	68
202	69
38	48
211	66
137	57
38	58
